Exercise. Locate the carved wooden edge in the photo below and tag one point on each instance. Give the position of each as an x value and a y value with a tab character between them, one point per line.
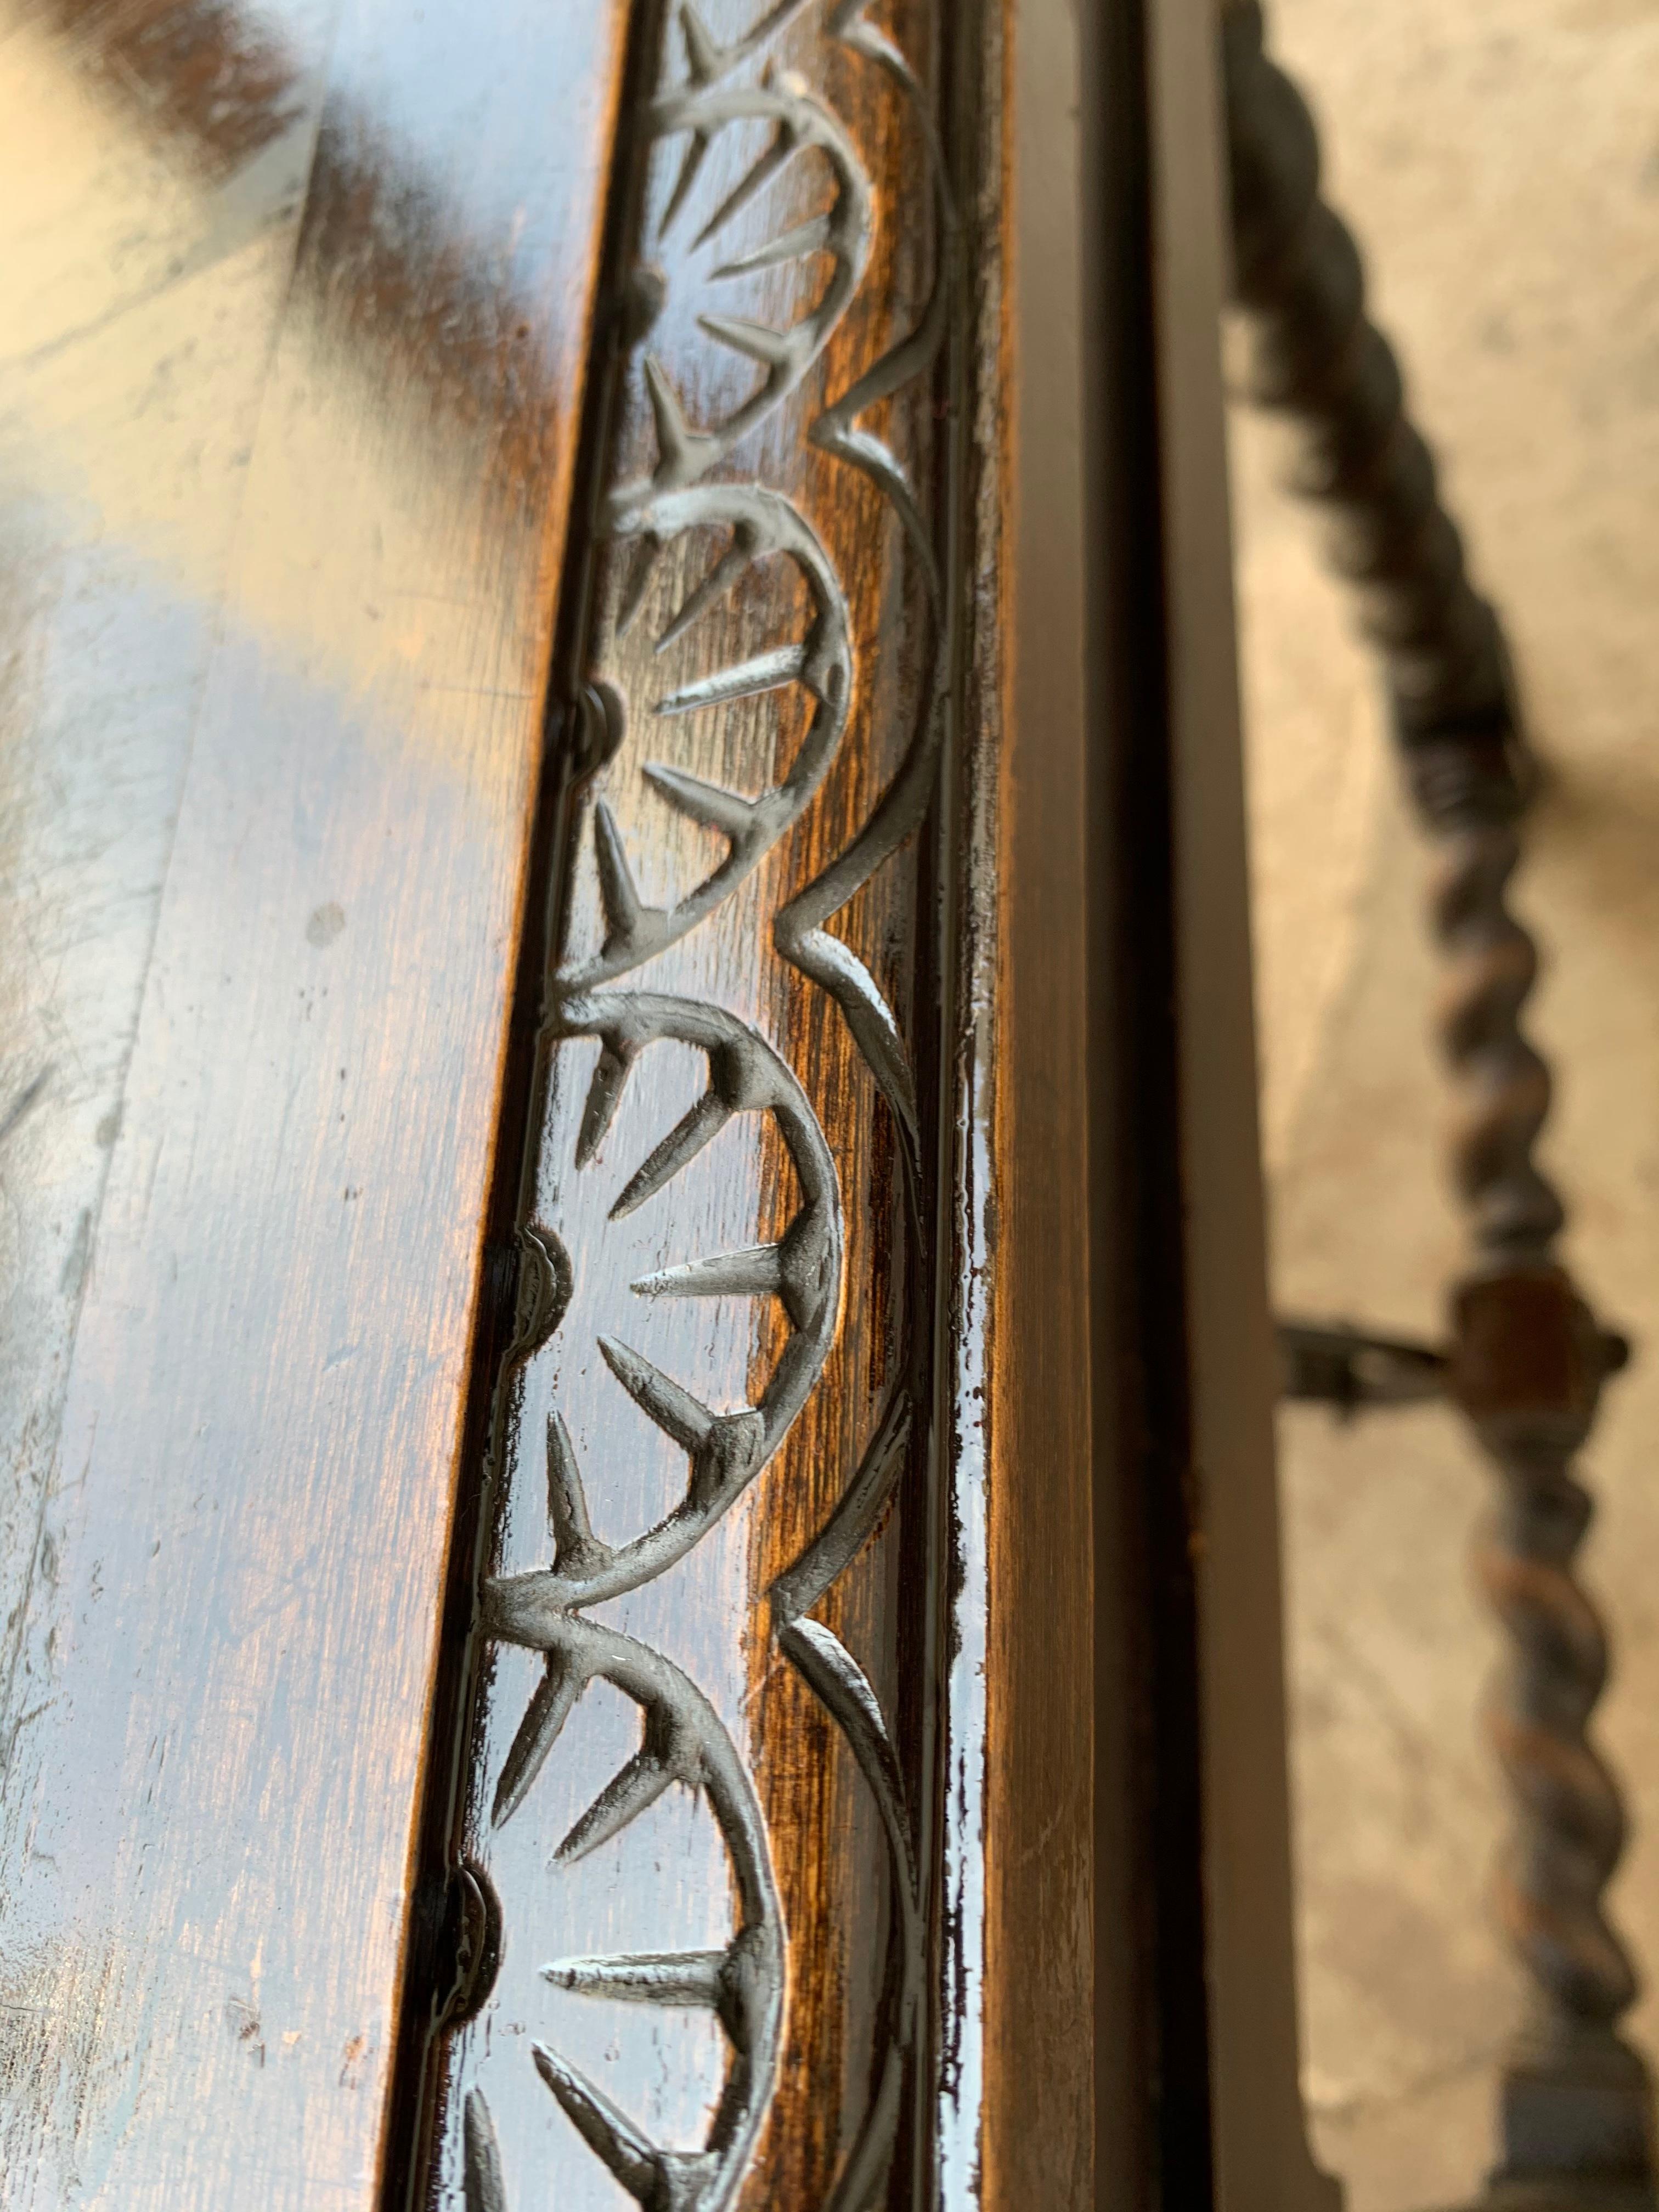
971	1976
937	1903
1058	2040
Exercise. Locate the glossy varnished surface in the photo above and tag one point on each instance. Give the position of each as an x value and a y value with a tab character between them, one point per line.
1047	2139
295	313
699	1762
669	1330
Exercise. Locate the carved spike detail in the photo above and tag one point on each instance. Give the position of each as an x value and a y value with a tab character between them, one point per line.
747	679
675	1410
669	1753
754	180
773	348
720	578
575	1547
624	912
719	1982
814	237
691	169
755	1273
486	2183
641	562
603	1097
704	62
630	2155
710	805
539	1730
663	1977
631	1792
704	59
695	1129
682	452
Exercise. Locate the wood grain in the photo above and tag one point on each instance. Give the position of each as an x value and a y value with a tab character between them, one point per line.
300	375
811	1670
131	395
1049	1872
658	906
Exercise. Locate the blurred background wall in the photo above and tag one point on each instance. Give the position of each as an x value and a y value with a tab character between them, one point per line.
1500	162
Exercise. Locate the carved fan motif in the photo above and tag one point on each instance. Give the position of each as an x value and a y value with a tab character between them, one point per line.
686	506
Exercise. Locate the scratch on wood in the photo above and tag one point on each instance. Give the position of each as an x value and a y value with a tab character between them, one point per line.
24	1104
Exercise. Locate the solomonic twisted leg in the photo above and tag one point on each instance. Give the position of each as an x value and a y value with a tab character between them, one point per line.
1575	2127
1576	2104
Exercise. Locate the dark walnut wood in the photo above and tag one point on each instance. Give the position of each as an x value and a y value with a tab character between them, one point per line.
643	1562
837	1633
703	1716
294	330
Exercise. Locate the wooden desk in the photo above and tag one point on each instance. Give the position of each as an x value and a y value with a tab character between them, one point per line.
641	1553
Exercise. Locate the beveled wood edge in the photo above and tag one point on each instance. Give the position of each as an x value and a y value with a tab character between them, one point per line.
720	2188
1261	2154
1024	757
434	1905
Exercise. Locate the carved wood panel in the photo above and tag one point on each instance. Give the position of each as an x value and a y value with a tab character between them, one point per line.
700	1743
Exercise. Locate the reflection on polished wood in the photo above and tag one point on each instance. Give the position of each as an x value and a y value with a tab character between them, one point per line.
622	1293
295	319
714	1420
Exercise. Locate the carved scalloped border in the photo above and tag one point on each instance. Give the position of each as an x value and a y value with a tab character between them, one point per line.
683	1740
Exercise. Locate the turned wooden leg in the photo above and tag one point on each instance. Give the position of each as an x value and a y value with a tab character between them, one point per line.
1527	1362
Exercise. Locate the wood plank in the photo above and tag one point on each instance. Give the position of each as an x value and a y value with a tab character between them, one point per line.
788	1682
217	1699
143	287
1054	1862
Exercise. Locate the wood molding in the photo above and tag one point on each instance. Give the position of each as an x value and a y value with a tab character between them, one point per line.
611	1590
716	1416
